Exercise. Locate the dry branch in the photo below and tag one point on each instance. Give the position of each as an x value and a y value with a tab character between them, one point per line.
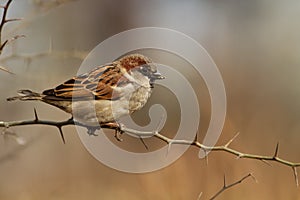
4	21
169	141
226	187
6	70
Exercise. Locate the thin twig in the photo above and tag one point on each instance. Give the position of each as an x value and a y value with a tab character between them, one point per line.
6	70
4	21
28	57
226	187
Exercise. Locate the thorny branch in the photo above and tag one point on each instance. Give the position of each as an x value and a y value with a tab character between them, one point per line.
43	5
47	5
4	21
226	187
169	141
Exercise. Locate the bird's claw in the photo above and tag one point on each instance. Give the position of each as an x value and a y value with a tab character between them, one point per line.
118	133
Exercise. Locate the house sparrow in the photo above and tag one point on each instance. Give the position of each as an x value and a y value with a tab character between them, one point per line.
103	95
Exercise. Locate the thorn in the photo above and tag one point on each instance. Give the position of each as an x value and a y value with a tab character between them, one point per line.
296	176
206	156
169	147
266	162
10	40
6	70
230	141
276	150
61	134
142	140
35	115
253	177
199	196
224	181
196	138
12	20
15	38
239	156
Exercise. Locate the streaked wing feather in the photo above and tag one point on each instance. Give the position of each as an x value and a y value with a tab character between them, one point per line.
97	84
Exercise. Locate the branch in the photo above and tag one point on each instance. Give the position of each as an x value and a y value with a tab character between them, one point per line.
6	42
226	187
44	5
6	70
4	20
4	15
225	148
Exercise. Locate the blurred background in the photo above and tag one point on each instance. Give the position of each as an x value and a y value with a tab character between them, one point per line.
256	46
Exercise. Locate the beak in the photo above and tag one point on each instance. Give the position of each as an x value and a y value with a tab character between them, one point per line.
157	76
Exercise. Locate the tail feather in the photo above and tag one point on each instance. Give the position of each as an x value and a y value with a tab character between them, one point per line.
25	95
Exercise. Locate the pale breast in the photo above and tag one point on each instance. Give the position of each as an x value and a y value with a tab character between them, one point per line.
100	111
139	98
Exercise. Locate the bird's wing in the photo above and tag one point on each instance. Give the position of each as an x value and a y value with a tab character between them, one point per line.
97	84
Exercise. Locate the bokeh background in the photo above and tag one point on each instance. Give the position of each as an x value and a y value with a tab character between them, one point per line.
256	46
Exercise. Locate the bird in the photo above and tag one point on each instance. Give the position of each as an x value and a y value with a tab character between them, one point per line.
103	95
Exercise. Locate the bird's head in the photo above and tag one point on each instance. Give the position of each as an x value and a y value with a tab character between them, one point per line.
142	64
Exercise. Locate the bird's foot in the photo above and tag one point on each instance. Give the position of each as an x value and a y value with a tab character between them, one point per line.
117	127
118	134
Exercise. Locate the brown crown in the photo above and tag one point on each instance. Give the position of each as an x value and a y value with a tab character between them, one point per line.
133	60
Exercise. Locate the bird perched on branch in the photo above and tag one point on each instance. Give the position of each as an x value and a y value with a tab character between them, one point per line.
103	95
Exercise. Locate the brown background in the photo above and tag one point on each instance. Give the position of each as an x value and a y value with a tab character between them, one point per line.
256	46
